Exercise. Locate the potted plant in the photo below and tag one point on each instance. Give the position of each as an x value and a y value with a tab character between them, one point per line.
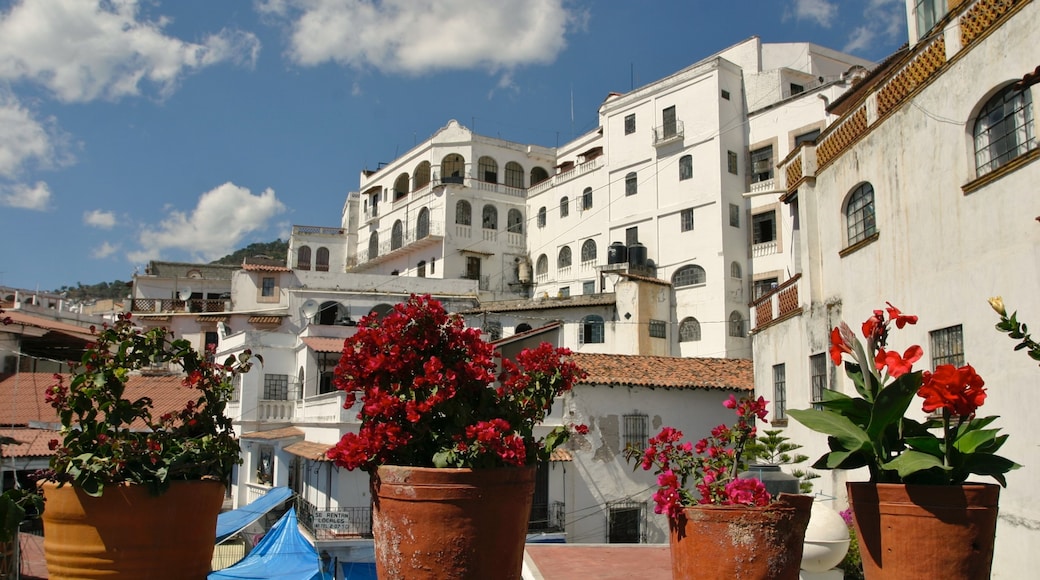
450	453
918	499
727	526
131	494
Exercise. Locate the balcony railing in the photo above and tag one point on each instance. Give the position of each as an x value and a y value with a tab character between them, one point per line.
174	305
334	523
778	304
667	133
551	517
317	230
764	248
434	231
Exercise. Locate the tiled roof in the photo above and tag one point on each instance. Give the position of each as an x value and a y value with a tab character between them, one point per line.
264	268
29	442
213	318
265	319
527	333
309	450
22	396
642	278
666	372
605	299
323	344
283	433
22	318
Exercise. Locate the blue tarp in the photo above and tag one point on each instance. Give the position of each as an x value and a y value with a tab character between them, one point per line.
358	570
234	521
283	554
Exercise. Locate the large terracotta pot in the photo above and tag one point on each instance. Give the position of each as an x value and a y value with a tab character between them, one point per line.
450	523
925	531
741	543
129	533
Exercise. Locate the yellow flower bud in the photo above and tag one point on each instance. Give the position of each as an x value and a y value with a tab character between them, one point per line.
998	304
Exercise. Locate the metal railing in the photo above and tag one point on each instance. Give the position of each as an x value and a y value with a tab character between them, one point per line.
551	517
667	133
334	523
174	305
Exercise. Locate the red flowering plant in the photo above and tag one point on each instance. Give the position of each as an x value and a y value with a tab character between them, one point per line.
428	397
108	437
712	463
872	431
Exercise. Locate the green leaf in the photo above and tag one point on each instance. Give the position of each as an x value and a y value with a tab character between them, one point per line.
989	464
910	462
892	402
840	460
972	440
851	437
929	444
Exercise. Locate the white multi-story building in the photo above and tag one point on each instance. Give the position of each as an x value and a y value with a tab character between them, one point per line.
922	194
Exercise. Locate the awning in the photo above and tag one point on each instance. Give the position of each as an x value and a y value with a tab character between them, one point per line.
234	521
323	344
283	554
309	450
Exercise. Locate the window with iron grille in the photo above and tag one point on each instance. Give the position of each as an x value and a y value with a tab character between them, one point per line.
267	286
736	325
327	362
762	164
817	378
489	217
276	387
1004	129
563	260
636	425
779	392
658	329
588	250
689	329
487	170
565	206
731	162
631	183
859	213
514	175
686	220
760	288
685	167
632	236
734	215
541	217
625	522
763	227
463	213
947	346
630	124
588	287
514	221
691	275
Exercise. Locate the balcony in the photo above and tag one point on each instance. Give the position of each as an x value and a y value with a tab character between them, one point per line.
326	408
777	305
149	305
410	240
317	231
764	249
668	133
334	523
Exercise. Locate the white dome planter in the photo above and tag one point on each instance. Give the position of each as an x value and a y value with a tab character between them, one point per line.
826	539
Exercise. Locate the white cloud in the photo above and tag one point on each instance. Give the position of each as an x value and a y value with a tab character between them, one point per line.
82	50
822	12
216	227
26	139
883	21
104	250
416	36
23	196
105	220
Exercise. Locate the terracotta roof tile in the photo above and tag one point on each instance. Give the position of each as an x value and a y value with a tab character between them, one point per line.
22	318
265	319
283	433
323	344
666	372
264	268
560	455
309	450
642	278
527	333
212	318
30	442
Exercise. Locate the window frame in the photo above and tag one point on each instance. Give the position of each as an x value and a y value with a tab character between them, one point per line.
631	183
947	345
760	164
586	254
686	220
758	233
592	330
563	257
630	123
657	329
565	206
690	275
689	330
463	213
586	199
779	392
542	216
819	378
1022	118
736	325
686	167
860	216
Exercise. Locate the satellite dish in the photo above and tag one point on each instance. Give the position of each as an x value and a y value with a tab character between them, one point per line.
223	330
309	308
185	293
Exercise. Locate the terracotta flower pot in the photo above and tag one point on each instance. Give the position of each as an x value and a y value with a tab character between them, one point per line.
925	531
129	533
450	523
742	543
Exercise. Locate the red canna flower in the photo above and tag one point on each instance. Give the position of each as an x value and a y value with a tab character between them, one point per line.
900	318
838	346
958	390
897	365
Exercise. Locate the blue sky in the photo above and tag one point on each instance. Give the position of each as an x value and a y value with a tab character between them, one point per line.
182	130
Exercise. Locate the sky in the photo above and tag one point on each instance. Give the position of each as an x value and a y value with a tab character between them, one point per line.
182	130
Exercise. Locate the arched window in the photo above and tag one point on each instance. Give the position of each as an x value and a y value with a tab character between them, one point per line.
490	217
453	168
422	224
565	206
401	186
303	258
1004	129
380	310
420	269
541	268
373	246
689	330
541	217
397	235
515	221
522	327
538	175
321	263
514	175
586	198
685	167
421	175
591	330
736	324
564	258
330	313
487	169
631	183
691	275
463	213
734	270
588	251
859	213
